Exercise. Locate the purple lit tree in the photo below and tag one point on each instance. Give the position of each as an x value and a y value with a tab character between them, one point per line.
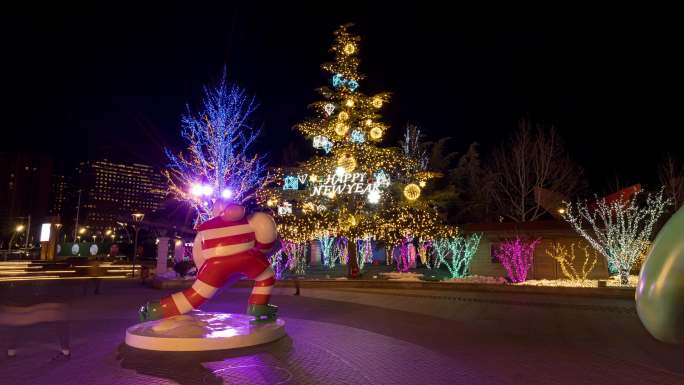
218	162
517	256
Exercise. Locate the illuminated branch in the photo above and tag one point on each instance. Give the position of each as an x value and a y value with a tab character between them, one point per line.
566	260
456	253
620	230
218	162
517	256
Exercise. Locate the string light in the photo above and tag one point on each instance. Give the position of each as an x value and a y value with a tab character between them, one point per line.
351	191
456	253
620	230
219	151
421	183
517	256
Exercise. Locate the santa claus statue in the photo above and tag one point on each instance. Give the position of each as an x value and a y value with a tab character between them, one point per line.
229	243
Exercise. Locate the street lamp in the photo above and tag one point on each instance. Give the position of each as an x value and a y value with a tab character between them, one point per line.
17	230
137	218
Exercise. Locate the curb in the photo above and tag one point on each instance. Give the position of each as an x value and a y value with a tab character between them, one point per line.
594	292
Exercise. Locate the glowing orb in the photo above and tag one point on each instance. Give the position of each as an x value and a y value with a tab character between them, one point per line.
422	183
349	103
347	161
339	171
374	196
226	194
349	48
377	102
369	122
196	189
207	190
341	128
343	116
412	191
376	133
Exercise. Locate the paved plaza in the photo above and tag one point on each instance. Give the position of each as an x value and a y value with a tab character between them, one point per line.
365	336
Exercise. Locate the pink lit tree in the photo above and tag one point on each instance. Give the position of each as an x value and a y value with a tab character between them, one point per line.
517	256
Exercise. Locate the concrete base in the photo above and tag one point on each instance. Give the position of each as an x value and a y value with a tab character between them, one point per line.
200	331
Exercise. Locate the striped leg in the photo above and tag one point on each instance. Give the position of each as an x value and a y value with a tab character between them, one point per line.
257	304
263	285
212	275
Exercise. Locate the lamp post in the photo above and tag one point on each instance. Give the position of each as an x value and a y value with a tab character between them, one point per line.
137	218
17	230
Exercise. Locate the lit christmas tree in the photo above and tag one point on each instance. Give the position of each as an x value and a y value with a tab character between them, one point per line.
352	188
218	163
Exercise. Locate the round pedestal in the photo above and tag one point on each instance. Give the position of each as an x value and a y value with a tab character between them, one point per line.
200	331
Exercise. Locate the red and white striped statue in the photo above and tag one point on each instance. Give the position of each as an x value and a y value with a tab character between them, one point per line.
229	243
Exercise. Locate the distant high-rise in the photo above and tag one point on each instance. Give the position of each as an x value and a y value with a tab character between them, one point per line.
25	187
60	195
111	192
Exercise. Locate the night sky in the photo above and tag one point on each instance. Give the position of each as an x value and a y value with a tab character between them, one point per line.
81	87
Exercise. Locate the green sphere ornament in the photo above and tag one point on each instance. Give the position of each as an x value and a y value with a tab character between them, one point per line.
660	291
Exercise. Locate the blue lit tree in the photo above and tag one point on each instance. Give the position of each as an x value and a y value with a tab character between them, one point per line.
219	162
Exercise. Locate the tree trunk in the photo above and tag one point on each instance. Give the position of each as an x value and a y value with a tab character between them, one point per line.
624	277
353	264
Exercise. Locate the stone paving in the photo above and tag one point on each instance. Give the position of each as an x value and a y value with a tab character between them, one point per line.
366	336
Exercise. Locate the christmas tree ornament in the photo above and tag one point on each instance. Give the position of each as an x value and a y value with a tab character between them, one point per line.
341	128
376	132
412	191
329	108
349	48
357	136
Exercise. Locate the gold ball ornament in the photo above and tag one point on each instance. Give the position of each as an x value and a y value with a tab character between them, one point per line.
377	102
376	133
349	103
349	48
341	128
347	161
343	116
412	191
